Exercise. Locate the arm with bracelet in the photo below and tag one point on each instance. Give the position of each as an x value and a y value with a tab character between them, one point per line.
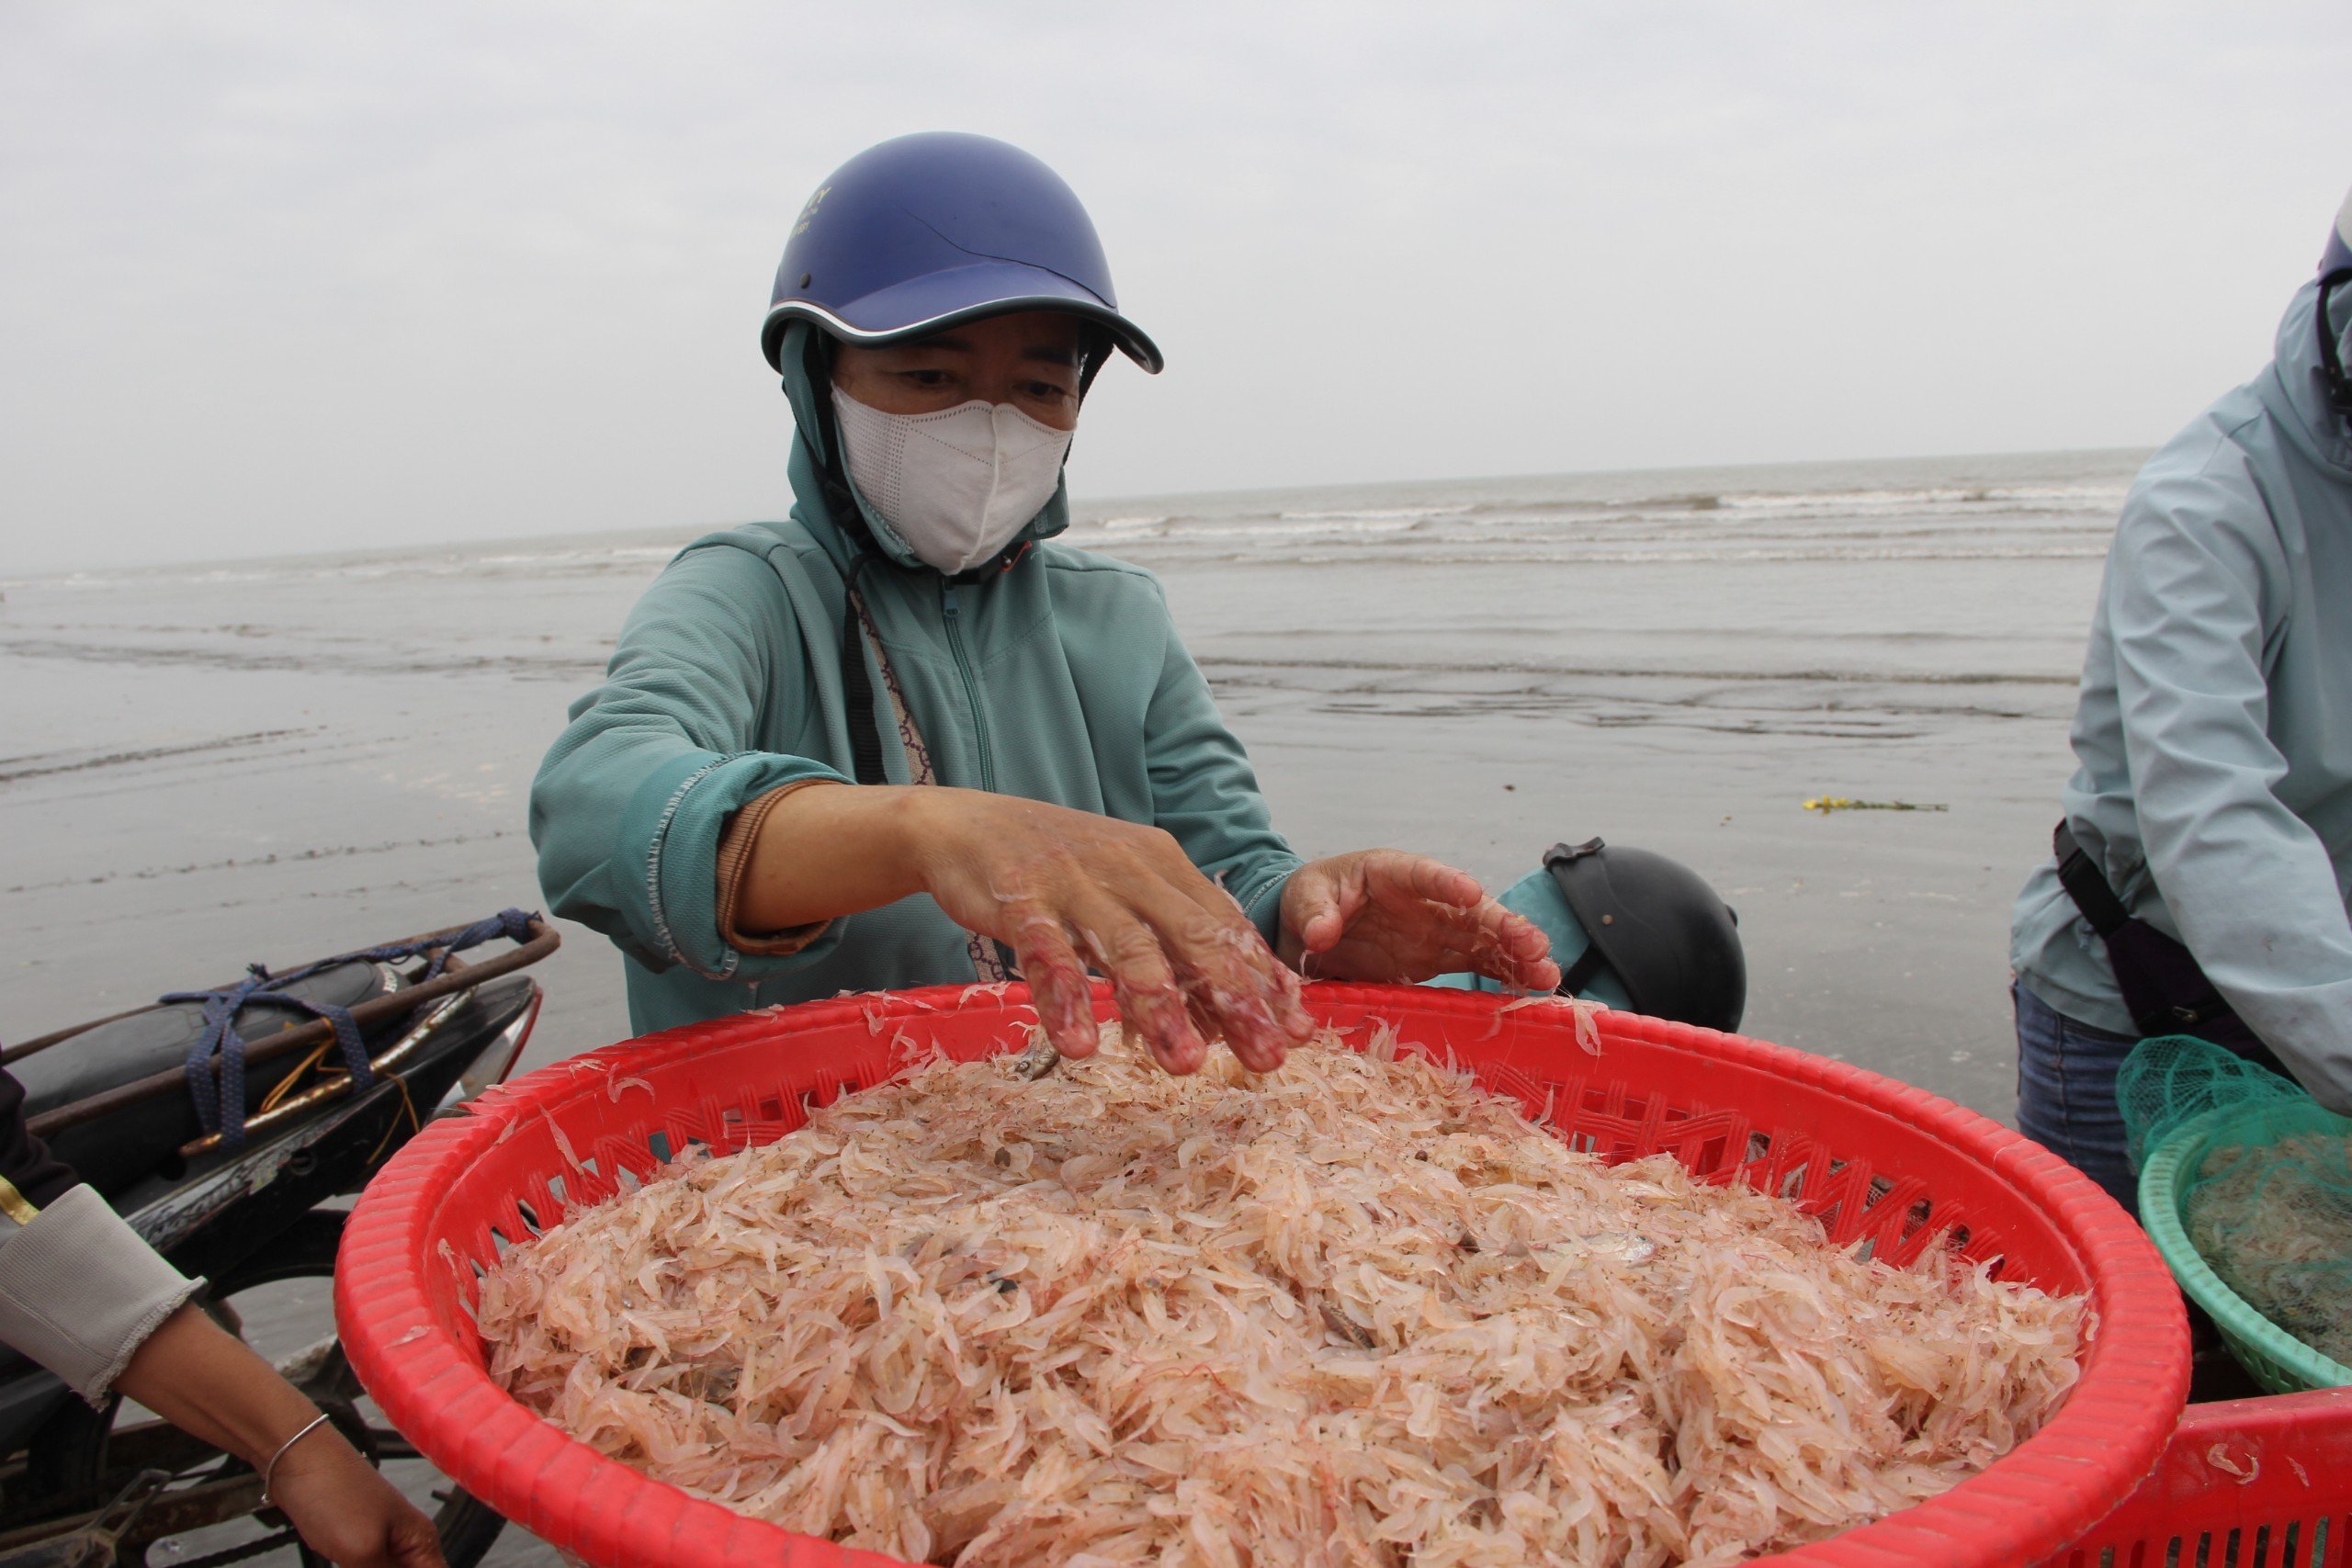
85	1296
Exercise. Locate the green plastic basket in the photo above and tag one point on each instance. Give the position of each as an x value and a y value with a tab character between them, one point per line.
2279	1362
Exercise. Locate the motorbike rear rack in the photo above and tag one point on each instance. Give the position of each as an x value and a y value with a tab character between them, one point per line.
456	976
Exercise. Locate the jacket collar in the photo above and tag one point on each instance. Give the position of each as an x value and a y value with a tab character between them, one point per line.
2296	391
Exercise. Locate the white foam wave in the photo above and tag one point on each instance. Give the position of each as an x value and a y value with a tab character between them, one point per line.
1375	513
1878	502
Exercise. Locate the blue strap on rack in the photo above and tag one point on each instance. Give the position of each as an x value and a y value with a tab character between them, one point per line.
221	1108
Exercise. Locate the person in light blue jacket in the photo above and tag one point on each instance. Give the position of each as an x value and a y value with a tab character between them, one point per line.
2200	879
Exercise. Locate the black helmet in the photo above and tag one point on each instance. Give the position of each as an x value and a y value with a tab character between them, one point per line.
1669	937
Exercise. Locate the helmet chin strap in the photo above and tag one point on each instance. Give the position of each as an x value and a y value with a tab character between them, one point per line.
2339	387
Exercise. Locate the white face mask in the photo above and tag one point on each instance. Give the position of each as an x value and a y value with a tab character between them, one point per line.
956	485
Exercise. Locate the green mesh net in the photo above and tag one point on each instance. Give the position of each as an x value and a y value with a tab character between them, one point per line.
2264	1193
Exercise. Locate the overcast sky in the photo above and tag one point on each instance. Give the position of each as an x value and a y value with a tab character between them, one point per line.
317	276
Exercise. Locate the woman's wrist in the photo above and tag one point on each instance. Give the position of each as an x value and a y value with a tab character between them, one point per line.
277	1456
823	852
921	827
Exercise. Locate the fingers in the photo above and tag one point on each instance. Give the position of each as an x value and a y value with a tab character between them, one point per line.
1520	952
1254	1049
1395	934
1313	909
1234	985
418	1545
1393	872
1246	1018
1219	950
1327	899
1492	941
346	1511
1188	969
1153	1008
1065	889
1497	942
1057	983
1214	961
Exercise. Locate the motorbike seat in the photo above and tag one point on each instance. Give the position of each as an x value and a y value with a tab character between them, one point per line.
117	1149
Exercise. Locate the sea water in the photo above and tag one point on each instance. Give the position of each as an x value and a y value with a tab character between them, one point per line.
266	759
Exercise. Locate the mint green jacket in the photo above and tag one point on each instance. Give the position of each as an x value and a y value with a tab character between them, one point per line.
1060	680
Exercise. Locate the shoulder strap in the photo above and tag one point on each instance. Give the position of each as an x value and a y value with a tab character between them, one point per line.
2086	885
857	683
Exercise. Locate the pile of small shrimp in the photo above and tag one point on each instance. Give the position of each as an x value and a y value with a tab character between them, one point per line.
1358	1311
2275	1221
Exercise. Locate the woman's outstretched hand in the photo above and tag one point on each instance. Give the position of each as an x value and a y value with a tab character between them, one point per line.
1388	916
1066	890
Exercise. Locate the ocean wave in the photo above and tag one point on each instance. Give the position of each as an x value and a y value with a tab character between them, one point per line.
509	561
540	557
1217	666
1375	513
1708	524
1875	503
1275	554
2033	506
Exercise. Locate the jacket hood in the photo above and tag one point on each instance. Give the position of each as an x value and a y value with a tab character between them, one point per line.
813	420
2296	388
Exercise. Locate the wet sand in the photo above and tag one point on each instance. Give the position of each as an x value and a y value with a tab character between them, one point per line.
182	792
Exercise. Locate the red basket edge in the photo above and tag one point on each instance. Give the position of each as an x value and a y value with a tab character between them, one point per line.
2123	1423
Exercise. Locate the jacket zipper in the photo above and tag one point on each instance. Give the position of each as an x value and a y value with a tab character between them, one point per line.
947	604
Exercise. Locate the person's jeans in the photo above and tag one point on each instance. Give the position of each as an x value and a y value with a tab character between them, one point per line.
2067	1093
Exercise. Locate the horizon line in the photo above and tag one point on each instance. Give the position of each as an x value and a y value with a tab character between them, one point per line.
9	578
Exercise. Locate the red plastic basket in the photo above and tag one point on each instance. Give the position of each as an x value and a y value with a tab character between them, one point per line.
2249	1483
1875	1159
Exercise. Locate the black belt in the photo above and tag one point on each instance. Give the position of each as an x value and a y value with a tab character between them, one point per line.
2163	986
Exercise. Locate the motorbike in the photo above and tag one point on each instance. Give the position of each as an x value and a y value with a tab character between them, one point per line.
388	1038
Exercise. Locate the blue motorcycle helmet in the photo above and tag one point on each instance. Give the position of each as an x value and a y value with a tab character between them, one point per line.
922	232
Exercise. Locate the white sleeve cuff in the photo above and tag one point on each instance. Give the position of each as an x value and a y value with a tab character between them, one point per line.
80	1291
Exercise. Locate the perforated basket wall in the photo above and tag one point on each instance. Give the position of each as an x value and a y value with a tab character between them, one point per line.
2244	1484
1878	1161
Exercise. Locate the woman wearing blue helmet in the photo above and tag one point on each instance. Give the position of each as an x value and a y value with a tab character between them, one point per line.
903	737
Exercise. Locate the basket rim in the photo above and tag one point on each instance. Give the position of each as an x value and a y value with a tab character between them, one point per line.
2031	1503
2160	1199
